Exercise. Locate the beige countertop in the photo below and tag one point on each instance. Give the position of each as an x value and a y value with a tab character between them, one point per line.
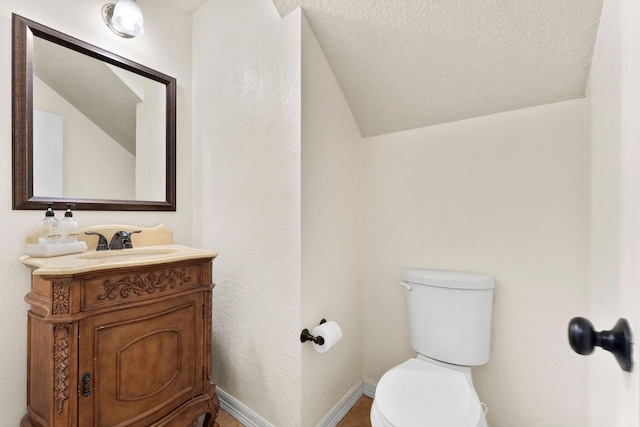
106	260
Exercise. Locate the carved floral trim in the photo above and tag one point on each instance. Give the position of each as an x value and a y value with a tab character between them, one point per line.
209	328
61	333
61	294
139	285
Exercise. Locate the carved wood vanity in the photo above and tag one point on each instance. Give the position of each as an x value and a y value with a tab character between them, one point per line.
121	338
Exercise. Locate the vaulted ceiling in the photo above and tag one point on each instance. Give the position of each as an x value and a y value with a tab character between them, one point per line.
405	64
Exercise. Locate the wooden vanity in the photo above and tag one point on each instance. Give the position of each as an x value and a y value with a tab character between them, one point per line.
121	338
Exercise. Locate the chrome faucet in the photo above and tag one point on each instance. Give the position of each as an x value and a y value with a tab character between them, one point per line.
120	240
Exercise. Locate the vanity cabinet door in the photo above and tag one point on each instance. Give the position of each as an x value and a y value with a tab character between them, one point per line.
138	364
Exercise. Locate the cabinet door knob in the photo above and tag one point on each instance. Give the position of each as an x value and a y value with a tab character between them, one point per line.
86	384
583	340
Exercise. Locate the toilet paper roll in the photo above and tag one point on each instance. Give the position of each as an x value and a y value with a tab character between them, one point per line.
331	333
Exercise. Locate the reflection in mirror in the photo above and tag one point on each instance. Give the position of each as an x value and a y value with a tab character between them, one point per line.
92	128
87	109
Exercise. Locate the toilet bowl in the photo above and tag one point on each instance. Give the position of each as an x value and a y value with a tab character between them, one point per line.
450	328
418	393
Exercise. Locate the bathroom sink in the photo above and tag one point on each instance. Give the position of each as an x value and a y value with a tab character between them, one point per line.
113	259
127	254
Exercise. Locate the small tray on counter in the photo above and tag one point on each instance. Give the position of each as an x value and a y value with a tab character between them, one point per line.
55	249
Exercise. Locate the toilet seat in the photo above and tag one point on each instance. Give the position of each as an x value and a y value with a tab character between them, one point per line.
418	393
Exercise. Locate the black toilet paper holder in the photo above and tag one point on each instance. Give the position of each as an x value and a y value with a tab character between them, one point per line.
305	335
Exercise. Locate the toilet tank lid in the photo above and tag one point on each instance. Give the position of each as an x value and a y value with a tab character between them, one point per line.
448	279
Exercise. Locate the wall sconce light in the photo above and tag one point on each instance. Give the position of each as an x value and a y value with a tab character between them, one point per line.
124	18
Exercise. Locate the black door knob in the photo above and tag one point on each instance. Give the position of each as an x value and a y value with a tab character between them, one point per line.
583	340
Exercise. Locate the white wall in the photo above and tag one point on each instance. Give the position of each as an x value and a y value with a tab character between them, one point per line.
247	133
165	46
503	195
614	107
151	142
331	212
279	155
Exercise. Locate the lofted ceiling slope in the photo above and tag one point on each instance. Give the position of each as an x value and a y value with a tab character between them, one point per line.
405	64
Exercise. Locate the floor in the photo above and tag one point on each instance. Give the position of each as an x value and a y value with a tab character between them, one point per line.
358	416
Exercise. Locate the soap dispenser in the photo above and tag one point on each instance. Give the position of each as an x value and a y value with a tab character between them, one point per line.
69	226
49	231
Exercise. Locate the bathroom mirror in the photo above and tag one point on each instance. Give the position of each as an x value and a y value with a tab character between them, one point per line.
89	127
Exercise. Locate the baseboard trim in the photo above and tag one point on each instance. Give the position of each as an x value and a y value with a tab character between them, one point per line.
246	416
338	412
369	388
240	411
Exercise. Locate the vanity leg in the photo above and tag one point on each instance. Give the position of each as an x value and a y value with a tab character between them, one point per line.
208	421
214	406
26	421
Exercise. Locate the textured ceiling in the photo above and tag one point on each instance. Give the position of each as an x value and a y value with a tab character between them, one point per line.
405	64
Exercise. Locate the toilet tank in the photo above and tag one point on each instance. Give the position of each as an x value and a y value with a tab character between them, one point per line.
450	315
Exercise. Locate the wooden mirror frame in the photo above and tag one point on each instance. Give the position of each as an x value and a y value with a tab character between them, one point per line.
23	31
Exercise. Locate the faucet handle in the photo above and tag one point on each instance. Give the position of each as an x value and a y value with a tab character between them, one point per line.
126	238
102	241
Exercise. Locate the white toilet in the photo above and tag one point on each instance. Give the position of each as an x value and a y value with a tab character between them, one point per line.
450	328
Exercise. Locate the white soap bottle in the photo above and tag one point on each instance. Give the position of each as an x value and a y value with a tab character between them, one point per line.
49	231
69	226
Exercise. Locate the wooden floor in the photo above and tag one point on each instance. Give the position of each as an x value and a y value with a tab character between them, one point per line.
225	420
358	416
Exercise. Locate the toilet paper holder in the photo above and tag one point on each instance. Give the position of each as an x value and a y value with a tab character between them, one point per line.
305	335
